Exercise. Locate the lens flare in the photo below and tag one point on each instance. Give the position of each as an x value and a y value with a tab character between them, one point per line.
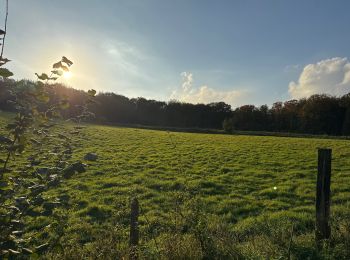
67	74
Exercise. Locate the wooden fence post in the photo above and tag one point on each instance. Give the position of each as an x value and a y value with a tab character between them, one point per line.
323	230
134	228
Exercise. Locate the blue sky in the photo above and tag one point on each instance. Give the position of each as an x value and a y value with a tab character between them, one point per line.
242	52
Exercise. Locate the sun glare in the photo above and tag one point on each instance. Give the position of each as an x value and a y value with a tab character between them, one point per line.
67	74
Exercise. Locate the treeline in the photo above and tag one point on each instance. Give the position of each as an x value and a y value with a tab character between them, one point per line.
113	108
319	114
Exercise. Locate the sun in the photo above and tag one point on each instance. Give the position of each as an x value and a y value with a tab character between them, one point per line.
67	74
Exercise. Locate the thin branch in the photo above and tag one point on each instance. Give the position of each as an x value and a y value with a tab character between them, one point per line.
3	39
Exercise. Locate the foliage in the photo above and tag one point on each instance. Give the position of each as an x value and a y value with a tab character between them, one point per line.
227	125
5	73
319	114
21	191
30	131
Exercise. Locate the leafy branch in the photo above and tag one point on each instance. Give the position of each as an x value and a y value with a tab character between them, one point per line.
21	194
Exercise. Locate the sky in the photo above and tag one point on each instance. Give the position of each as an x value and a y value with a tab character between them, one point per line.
198	51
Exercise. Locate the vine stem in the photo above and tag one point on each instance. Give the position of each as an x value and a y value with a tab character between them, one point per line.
3	39
8	156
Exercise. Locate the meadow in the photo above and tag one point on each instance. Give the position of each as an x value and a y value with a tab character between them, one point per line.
202	196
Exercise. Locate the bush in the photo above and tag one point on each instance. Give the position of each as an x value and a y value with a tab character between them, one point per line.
227	125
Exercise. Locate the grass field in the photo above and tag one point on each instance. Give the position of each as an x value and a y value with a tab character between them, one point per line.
201	196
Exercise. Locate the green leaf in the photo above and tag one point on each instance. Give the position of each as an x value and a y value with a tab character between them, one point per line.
40	85
53	78
5	73
57	72
43	76
64	104
43	98
65	68
92	92
67	61
57	65
16	148
3	61
5	140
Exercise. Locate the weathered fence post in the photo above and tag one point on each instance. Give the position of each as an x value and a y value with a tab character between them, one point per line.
323	230
134	228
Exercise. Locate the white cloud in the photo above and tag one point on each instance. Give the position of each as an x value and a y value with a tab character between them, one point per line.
330	76
187	80
205	94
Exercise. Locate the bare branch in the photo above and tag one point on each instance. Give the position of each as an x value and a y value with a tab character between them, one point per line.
3	39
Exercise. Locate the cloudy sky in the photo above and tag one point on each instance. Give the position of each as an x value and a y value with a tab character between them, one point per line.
237	51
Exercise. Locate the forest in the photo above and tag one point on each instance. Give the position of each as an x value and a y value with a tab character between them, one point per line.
318	114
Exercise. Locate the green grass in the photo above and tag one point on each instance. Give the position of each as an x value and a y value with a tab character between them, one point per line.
202	195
